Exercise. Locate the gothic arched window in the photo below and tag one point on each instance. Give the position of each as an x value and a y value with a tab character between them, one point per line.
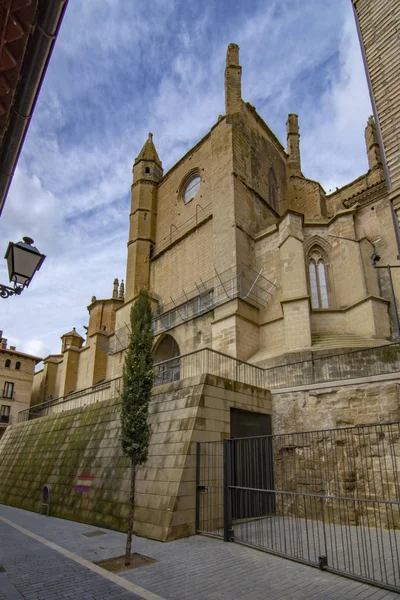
272	190
318	280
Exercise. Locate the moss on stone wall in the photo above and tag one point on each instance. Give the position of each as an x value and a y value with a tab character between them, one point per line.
78	454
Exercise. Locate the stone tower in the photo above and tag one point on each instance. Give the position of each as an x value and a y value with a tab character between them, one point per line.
147	173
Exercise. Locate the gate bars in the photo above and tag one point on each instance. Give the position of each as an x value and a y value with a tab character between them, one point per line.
328	498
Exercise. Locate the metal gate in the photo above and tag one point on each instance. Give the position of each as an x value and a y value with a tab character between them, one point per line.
327	498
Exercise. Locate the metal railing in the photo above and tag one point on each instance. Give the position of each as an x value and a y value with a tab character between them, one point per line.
240	281
207	361
328	498
361	363
97	393
180	367
368	362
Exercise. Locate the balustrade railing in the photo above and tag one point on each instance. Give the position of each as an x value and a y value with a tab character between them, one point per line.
360	363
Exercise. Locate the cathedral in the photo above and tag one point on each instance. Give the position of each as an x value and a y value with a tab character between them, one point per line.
242	254
271	314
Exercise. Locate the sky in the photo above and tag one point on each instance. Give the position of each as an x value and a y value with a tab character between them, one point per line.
121	69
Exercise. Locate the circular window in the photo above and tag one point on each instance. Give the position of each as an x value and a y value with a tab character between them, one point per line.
191	188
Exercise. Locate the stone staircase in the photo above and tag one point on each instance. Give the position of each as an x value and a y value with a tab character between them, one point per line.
320	341
326	341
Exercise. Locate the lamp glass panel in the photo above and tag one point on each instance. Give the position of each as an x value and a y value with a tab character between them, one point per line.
25	264
10	265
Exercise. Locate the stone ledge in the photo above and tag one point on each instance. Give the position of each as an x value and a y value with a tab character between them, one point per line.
338	384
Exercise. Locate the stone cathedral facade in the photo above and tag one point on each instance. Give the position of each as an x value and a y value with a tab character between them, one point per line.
243	254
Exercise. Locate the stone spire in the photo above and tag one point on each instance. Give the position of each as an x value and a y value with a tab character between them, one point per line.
115	289
293	144
233	81
121	291
372	143
148	152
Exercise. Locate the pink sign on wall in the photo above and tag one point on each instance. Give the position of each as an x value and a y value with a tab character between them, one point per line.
84	482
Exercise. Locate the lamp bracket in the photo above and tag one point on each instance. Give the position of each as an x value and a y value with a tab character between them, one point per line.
6	292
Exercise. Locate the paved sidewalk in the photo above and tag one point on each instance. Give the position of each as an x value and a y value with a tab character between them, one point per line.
196	568
33	572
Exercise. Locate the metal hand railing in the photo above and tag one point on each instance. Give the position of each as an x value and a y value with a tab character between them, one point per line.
360	363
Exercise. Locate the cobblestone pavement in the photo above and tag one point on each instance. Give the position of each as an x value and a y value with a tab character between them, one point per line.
196	568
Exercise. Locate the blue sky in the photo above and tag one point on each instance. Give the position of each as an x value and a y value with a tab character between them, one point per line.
121	69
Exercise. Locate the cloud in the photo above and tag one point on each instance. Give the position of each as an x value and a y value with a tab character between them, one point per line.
121	69
336	130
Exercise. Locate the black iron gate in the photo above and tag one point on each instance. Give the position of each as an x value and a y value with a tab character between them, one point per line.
328	498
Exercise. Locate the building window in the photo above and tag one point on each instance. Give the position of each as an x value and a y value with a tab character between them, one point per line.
4	414
8	389
18	365
191	188
272	190
8	363
318	285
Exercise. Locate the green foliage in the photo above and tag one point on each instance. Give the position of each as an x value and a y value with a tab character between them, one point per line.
137	382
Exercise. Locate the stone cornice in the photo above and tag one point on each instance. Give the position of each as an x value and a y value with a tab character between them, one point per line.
367	196
296	299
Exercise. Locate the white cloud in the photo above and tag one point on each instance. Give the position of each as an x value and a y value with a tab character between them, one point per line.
333	148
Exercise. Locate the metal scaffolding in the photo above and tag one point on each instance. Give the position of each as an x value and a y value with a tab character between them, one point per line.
240	281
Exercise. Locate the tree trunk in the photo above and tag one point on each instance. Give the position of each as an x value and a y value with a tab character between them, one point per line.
131	515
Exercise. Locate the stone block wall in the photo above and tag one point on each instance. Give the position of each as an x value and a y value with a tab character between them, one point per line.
78	453
170	275
337	406
350	451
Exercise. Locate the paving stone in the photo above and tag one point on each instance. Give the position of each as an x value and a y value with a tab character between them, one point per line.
195	568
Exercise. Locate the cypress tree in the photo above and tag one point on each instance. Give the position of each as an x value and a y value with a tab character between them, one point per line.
135	397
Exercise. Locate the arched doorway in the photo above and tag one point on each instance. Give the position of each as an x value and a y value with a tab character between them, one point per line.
167	366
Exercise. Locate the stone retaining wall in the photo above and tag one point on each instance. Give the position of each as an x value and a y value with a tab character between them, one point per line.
357	458
79	454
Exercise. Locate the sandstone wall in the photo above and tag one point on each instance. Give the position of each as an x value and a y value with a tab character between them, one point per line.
379	26
183	265
336	406
351	462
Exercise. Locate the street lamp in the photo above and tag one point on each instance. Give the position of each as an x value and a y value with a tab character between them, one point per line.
376	258
23	260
